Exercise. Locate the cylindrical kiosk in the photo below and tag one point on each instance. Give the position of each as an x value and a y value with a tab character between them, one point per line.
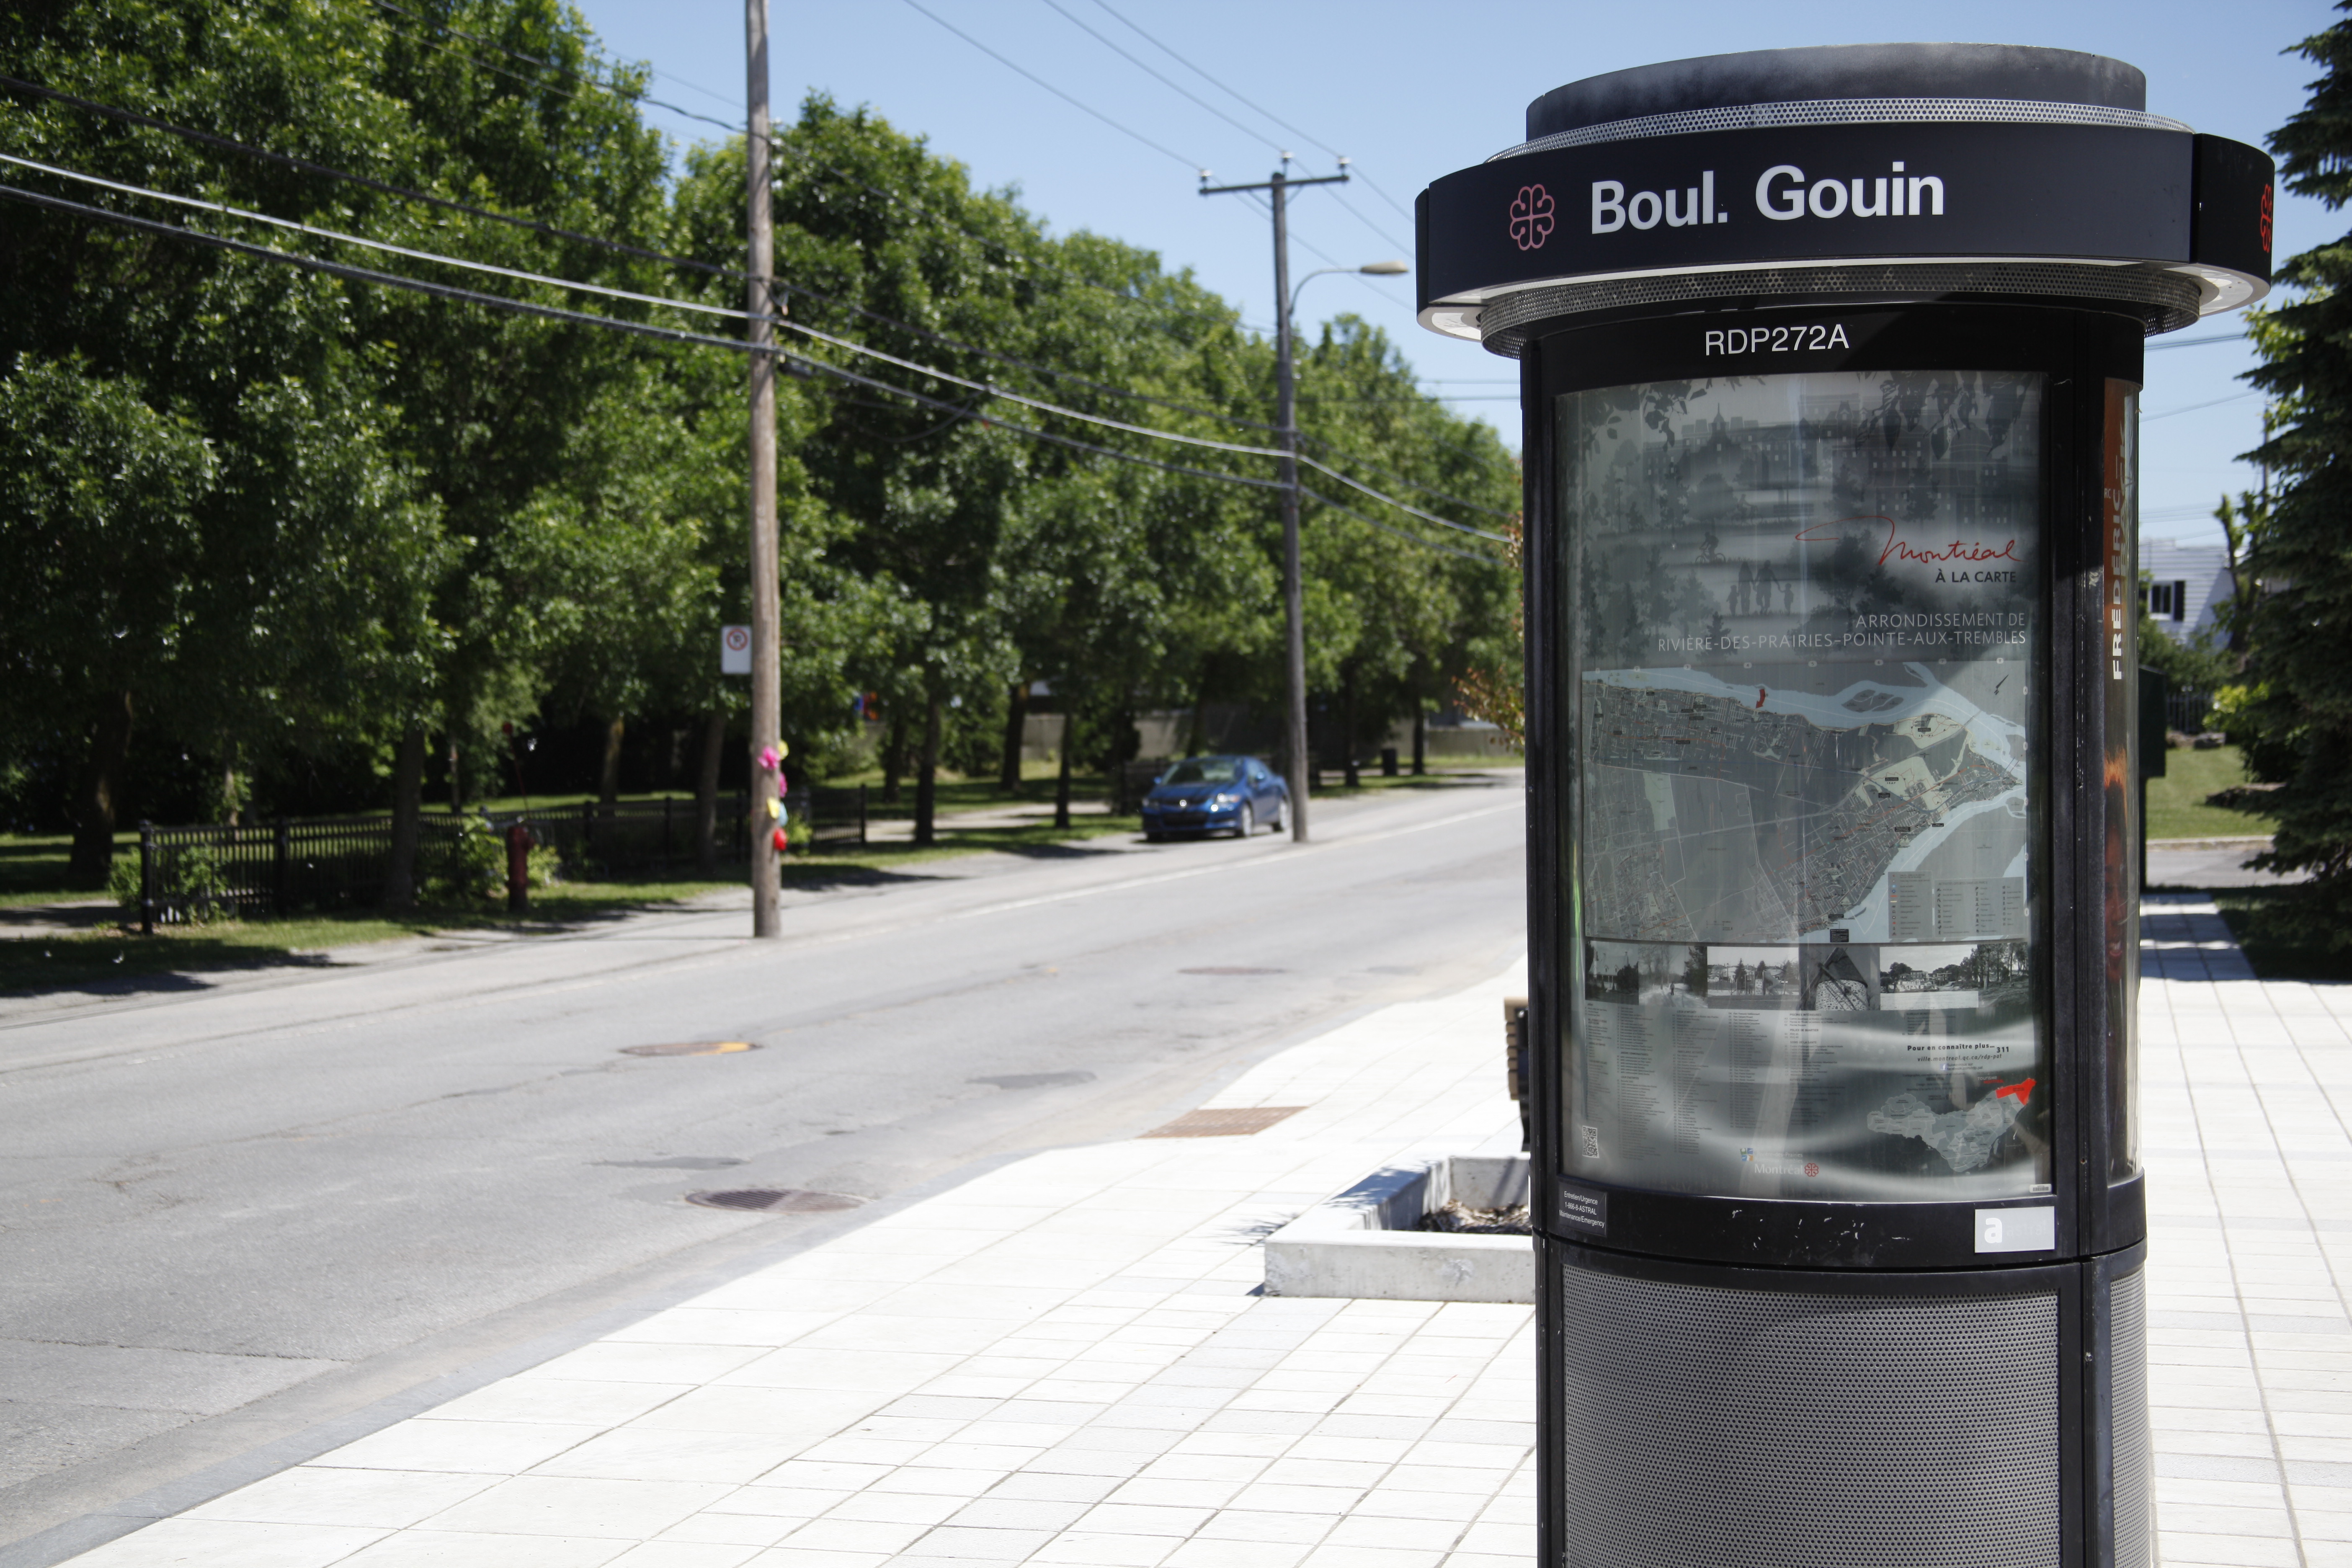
1830	362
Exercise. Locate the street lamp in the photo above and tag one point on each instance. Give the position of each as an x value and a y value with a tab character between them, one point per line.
1294	602
1294	609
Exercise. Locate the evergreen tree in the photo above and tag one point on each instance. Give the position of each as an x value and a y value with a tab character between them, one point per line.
2300	622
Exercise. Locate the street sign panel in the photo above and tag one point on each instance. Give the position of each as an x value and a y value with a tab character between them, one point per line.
734	650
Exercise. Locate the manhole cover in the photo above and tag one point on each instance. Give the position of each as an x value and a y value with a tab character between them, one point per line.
1229	969
691	1048
774	1200
1238	1123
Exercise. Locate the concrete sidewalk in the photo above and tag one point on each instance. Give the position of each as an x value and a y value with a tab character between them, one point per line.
1062	1362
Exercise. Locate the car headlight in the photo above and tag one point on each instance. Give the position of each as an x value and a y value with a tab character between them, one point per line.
1223	800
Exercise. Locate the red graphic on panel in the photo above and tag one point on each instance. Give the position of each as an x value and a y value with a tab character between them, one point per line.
1531	218
2020	1093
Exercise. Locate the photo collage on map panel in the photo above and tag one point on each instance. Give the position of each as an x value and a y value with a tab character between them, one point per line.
1802	609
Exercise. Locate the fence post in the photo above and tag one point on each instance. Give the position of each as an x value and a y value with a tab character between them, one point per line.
668	801
146	879
279	891
861	816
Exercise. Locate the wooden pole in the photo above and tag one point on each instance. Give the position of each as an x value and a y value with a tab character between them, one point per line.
767	707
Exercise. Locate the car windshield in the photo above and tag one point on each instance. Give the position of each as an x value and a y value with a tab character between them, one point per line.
1204	770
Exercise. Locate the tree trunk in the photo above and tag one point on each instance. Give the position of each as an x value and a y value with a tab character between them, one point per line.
407	806
1419	737
1016	722
1062	779
1198	741
1348	728
109	751
456	782
926	781
894	756
608	784
706	792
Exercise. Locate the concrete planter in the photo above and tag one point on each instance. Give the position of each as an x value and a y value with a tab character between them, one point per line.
1362	1242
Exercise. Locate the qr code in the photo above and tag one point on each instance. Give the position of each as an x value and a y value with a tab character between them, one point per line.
1592	1143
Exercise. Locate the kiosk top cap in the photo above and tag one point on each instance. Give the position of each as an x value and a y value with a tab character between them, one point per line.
1998	71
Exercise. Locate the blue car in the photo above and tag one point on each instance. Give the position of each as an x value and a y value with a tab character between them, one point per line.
1216	794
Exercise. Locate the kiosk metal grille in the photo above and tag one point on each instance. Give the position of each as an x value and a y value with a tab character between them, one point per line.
2127	1392
1843	111
2168	299
1774	1429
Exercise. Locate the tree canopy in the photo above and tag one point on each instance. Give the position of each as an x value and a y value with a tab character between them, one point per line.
262	515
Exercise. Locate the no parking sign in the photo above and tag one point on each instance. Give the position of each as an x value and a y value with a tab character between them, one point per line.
734	650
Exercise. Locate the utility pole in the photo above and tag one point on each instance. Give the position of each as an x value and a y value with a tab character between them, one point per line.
1294	602
767	705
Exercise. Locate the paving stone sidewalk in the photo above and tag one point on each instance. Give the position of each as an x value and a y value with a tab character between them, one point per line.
1063	1362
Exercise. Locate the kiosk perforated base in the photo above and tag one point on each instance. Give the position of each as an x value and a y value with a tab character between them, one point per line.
1741	1426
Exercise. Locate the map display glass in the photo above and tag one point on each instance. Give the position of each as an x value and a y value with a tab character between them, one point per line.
1805	797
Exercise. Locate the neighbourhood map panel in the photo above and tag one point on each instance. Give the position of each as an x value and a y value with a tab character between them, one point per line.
1802	611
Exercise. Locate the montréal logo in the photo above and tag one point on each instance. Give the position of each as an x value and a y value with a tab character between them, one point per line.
1531	218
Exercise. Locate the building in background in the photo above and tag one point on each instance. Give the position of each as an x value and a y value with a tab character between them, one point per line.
2184	586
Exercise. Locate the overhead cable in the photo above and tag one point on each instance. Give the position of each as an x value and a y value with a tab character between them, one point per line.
1188	92
539	277
1057	92
780	145
802	362
1255	108
1398	532
328	171
671	334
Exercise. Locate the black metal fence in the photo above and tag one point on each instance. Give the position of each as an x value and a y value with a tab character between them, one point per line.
636	836
1133	782
193	873
832	816
2186	710
277	868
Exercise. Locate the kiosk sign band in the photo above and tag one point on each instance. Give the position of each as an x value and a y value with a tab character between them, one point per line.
1805	795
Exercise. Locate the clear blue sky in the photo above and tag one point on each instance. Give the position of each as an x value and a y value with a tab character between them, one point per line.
1411	92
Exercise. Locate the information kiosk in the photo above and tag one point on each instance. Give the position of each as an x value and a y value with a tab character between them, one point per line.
1830	363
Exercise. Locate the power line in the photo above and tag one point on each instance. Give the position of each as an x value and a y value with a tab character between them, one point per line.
1035	266
1122	53
430	256
1401	533
1057	92
326	171
2215	403
671	334
1256	108
2198	342
330	172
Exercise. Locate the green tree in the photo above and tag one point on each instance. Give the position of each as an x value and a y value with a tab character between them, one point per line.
229	616
2300	622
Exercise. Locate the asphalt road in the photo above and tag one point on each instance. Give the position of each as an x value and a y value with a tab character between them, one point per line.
234	1213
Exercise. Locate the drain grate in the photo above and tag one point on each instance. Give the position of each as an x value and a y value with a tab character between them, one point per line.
1230	969
1237	1123
691	1048
775	1200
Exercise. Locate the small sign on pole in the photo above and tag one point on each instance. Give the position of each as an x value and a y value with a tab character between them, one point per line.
734	650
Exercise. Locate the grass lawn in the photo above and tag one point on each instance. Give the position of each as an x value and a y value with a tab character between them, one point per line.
107	953
33	865
2176	803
